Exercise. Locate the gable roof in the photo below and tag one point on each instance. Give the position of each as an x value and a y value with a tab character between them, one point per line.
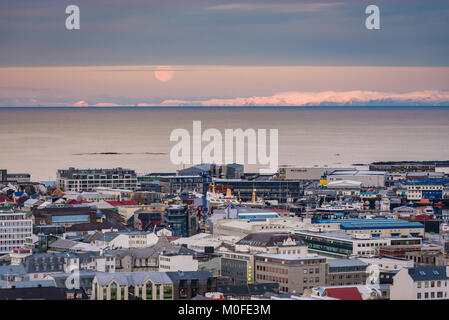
39	293
428	273
122	203
345	293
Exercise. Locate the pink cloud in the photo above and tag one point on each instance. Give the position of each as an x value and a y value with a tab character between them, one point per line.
83	103
322	98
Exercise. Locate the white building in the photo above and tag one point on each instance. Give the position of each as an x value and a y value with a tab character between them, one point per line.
388	264
88	179
243	227
177	263
367	178
415	191
420	283
119	194
126	240
14	229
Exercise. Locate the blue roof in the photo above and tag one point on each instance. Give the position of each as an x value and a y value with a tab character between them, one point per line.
363	224
428	273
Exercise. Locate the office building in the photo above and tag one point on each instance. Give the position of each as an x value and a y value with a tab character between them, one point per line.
346	272
177	217
293	273
340	244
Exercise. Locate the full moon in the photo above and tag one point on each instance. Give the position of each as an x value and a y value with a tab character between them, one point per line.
164	73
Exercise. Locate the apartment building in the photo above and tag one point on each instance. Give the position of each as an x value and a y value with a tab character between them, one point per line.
88	179
15	227
420	283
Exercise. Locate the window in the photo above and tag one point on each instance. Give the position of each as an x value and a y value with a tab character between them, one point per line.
418	296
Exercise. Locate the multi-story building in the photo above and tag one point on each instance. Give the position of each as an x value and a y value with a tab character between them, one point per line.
421	283
227	171
402	167
14	177
367	178
178	184
308	173
177	217
15	227
177	262
293	273
269	189
340	244
88	179
180	285
243	227
345	272
375	228
237	267
283	243
425	190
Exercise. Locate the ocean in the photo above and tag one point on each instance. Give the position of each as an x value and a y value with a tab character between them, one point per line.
41	140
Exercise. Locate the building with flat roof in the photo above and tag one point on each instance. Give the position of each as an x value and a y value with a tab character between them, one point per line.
88	179
264	187
15	228
237	267
341	244
367	178
346	272
242	227
14	177
293	273
402	167
373	227
309	172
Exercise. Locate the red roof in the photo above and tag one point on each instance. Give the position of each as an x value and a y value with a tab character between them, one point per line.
123	203
170	239
77	202
4	198
347	293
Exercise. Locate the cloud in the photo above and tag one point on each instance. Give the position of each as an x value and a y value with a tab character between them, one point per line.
83	103
80	103
324	98
279	7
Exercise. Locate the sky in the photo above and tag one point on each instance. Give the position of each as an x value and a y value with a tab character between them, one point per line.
211	52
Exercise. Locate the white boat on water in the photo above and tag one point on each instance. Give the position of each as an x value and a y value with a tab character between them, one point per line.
338	207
